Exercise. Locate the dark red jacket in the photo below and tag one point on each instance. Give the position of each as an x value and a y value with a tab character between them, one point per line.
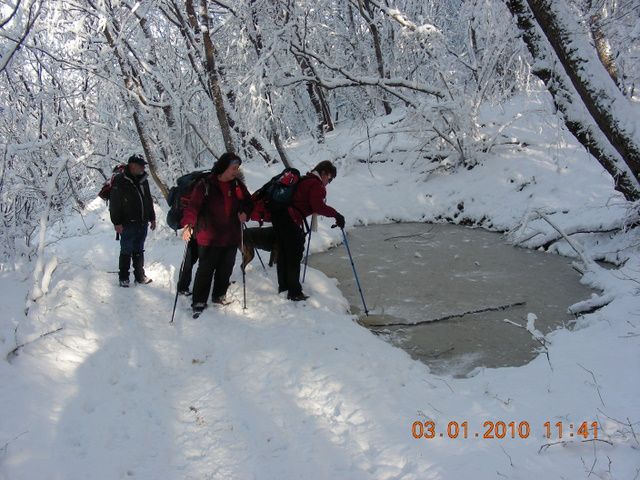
310	197
216	220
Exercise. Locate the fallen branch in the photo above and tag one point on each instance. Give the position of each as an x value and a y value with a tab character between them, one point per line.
407	236
14	353
590	305
449	317
573	244
552	240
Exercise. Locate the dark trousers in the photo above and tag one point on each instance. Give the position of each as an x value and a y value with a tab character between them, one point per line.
214	264
132	245
290	240
190	260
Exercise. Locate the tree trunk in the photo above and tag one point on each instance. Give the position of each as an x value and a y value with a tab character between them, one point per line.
602	44
175	142
214	84
137	116
366	11
317	99
593	111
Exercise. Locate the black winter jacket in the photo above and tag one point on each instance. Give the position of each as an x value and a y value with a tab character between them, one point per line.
130	200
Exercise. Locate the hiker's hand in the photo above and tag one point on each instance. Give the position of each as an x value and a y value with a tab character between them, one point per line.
242	217
118	228
153	224
339	221
186	233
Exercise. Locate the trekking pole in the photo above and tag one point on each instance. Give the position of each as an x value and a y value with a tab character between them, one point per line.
306	258
244	281
346	244
175	301
260	258
257	253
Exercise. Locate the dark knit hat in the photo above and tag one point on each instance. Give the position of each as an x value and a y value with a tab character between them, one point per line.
139	159
224	161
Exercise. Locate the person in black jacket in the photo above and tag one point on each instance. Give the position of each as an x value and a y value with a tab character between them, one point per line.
131	209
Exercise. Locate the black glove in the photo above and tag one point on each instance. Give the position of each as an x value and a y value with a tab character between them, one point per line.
339	221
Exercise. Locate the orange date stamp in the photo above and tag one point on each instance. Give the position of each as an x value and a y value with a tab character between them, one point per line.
502	429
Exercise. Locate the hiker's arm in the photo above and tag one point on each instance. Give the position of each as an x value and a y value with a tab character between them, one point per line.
317	195
115	205
152	210
246	206
190	215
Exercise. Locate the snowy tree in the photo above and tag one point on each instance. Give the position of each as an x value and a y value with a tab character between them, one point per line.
594	109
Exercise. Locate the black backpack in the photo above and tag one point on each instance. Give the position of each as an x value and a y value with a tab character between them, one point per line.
105	191
277	194
180	195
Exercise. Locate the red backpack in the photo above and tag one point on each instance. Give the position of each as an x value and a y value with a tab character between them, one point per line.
105	191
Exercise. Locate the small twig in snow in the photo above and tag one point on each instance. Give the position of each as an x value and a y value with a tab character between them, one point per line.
14	353
6	445
595	460
628	424
508	456
595	382
570	442
633	432
446	383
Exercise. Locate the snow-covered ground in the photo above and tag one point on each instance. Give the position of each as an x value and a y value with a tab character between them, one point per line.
285	390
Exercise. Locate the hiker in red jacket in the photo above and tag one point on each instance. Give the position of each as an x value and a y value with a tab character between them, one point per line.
219	205
309	198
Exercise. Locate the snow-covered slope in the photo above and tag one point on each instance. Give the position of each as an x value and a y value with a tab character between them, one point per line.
286	390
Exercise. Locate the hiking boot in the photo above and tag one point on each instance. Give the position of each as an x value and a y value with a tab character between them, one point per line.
124	283
298	297
124	262
198	307
222	300
137	259
184	293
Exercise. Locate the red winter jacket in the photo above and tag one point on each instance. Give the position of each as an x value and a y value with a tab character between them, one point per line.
213	210
310	197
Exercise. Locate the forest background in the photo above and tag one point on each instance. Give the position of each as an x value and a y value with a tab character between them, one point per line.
83	84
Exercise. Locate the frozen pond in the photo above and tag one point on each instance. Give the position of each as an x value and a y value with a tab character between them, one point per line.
414	272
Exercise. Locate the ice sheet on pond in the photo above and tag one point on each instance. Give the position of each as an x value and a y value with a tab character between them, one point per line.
459	285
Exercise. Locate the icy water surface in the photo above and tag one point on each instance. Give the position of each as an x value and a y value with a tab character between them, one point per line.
437	274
